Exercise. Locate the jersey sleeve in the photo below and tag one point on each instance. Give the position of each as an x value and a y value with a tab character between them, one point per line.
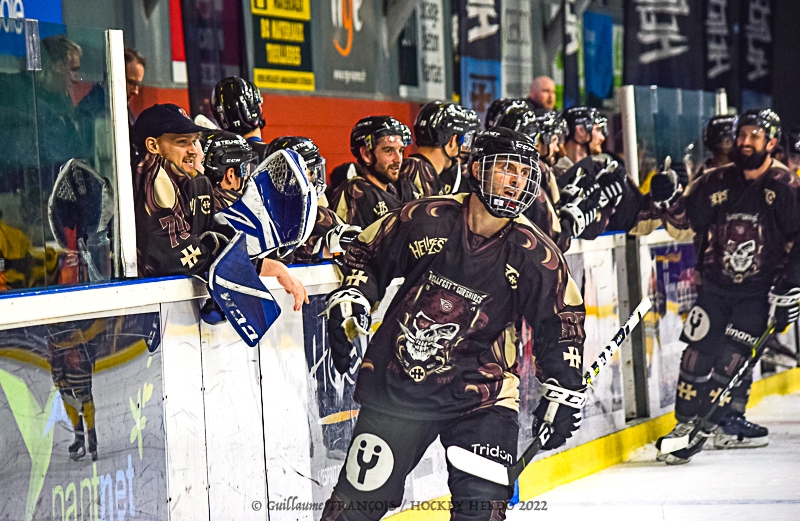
417	179
309	251
787	200
556	314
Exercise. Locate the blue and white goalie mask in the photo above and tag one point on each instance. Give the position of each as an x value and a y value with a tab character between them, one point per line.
278	207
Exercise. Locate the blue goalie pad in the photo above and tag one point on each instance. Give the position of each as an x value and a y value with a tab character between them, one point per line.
234	285
278	207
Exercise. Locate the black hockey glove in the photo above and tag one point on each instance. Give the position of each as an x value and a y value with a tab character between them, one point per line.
783	307
611	185
579	214
665	186
348	316
561	408
578	187
339	237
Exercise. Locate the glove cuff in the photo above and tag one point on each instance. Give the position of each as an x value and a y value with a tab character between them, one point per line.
346	298
556	393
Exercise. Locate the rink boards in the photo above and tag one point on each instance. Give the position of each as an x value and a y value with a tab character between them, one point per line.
193	424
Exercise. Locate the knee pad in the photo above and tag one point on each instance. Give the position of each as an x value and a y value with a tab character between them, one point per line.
696	365
476	499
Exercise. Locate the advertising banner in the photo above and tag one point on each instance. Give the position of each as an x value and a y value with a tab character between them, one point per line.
480	46
68	390
572	88
755	53
598	63
282	45
350	43
422	69
663	43
517	61
721	28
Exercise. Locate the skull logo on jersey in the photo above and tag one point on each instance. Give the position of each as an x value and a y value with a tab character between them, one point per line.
742	246
437	321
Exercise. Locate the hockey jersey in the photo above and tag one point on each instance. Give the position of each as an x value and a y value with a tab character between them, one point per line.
418	178
361	203
447	344
747	230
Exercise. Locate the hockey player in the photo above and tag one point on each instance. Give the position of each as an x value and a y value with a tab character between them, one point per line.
440	130
237	108
330	236
718	139
377	143
747	217
498	107
173	205
229	161
443	363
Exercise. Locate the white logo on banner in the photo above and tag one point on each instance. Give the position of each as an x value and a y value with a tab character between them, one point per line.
430	48
659	26
369	462
717	34
757	31
483	10
697	324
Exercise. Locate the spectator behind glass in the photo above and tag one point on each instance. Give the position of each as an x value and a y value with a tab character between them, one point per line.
542	93
135	64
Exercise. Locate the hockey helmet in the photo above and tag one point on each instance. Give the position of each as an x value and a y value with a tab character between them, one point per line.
766	119
224	150
512	157
438	121
369	130
237	105
310	153
498	107
520	119
587	117
717	129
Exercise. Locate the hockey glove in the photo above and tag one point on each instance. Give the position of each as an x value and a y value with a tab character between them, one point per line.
665	186
611	185
339	237
578	214
348	316
577	187
561	408
783	307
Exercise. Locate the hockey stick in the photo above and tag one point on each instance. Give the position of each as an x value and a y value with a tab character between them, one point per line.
490	470
670	445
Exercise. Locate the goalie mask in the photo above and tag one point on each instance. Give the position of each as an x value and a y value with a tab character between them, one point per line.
80	207
278	208
508	176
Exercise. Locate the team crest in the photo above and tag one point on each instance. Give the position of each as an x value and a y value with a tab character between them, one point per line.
741	247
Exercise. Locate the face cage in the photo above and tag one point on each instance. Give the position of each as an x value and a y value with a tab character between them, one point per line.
465	142
525	188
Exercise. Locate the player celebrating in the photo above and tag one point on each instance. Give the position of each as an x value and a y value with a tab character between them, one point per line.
440	129
747	217
443	363
378	143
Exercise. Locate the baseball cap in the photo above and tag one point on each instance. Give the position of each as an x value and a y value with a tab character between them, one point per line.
163	119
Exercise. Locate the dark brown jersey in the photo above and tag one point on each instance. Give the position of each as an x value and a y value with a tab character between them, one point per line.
418	179
454	179
748	229
172	209
447	344
224	197
361	203
308	252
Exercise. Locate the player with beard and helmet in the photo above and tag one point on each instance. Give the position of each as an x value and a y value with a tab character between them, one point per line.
378	143
718	139
330	235
444	362
229	162
441	128
237	108
746	216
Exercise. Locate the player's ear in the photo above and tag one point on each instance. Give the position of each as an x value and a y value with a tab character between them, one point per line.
230	175
771	144
365	155
151	144
475	167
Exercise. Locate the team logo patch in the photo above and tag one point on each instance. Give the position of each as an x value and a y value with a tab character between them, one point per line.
697	324
369	463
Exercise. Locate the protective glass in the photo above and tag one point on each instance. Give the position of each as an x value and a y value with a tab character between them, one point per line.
465	141
509	183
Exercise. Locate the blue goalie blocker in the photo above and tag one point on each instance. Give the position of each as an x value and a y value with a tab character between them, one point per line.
234	285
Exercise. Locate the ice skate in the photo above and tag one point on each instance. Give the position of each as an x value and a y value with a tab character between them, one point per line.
681	429
735	432
93	443
77	449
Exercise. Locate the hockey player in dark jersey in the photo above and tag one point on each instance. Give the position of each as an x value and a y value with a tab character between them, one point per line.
444	361
440	129
378	143
498	107
747	218
237	108
330	235
172	204
229	161
718	139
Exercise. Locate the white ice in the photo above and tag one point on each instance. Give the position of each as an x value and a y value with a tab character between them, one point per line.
724	485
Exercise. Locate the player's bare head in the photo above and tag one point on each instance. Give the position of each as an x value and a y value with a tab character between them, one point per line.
757	133
505	170
543	91
378	143
168	131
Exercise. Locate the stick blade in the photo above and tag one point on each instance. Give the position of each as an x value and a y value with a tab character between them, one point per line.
471	463
670	445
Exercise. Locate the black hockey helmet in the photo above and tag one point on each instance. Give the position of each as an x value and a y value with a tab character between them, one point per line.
368	130
520	119
716	129
765	118
587	117
495	151
224	150
310	153
498	107
237	105
438	121
551	124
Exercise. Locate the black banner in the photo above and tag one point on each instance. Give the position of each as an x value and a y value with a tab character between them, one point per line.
664	43
572	88
480	45
721	27
282	45
756	47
